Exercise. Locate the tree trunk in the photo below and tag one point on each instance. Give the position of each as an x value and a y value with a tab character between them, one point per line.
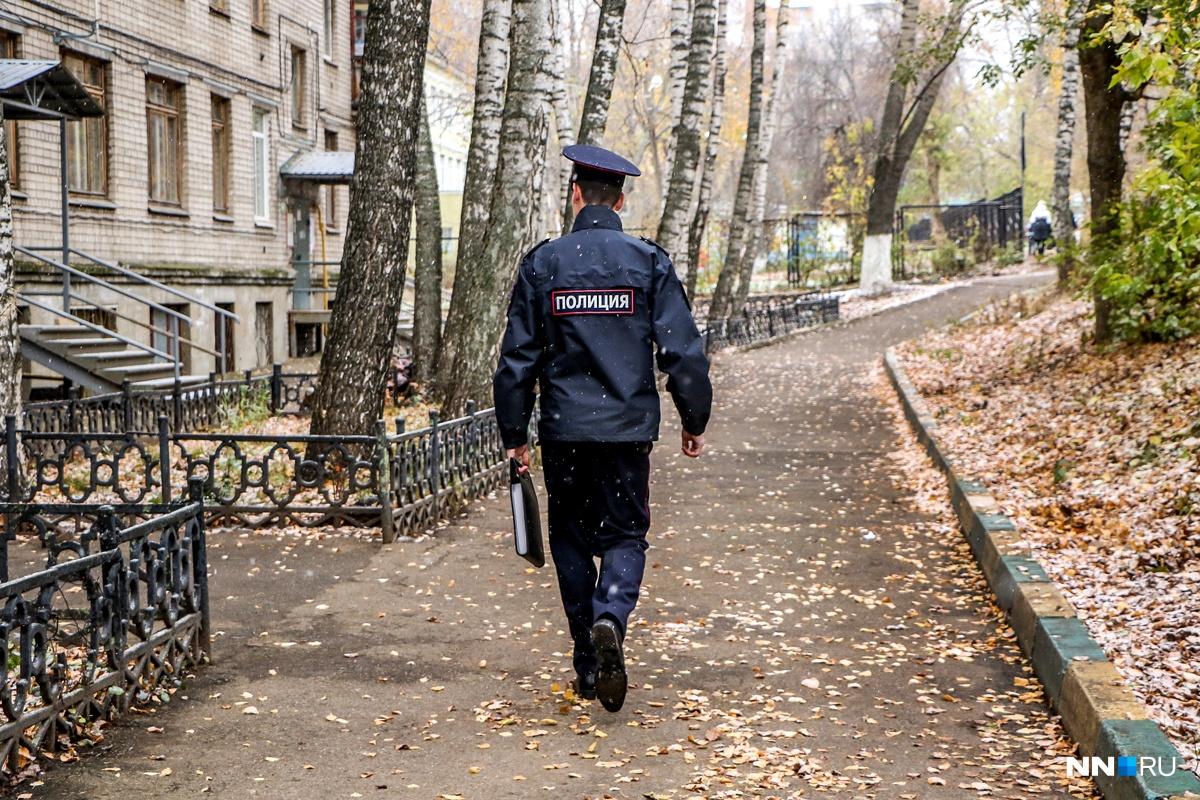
475	321
712	149
564	128
1103	107
673	225
681	20
427	271
899	130
10	339
362	328
600	83
723	293
756	234
1064	229
471	272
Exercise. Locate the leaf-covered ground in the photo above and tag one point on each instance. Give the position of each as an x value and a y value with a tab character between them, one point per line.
1096	454
804	631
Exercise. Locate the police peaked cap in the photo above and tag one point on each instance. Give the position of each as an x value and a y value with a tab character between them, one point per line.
599	165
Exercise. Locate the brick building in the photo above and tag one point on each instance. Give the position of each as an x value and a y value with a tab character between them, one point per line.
179	181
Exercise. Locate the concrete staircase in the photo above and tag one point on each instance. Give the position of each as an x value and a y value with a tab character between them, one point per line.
99	358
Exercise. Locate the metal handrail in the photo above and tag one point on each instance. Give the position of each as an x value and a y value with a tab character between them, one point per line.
102	283
98	328
128	273
146	326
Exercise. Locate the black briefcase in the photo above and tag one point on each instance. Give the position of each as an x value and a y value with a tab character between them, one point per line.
527	522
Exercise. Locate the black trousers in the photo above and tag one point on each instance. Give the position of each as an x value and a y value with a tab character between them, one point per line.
599	508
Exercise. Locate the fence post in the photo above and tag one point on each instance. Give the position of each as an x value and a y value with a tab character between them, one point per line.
387	522
126	406
177	403
435	471
164	457
73	409
469	455
12	463
200	563
276	386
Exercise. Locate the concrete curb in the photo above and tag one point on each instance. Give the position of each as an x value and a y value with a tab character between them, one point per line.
1097	708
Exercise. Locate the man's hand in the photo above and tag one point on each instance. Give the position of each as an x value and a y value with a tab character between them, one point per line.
521	454
693	445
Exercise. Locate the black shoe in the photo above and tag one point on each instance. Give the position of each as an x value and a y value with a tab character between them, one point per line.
611	681
584	686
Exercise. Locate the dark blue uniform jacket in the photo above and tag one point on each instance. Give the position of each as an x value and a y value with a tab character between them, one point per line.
589	314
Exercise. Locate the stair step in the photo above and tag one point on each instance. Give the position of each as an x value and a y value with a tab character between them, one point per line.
112	357
148	368
86	345
166	383
59	332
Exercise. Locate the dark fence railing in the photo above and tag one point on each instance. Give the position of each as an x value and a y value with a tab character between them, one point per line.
116	616
767	317
403	481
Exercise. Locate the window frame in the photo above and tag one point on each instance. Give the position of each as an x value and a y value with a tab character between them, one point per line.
222	152
259	15
330	14
98	93
261	166
10	47
171	114
298	91
331	198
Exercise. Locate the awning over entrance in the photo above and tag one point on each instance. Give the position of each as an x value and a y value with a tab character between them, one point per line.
43	90
323	167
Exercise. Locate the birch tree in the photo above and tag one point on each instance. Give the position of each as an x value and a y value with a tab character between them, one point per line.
10	339
712	149
594	119
427	269
905	113
672	226
362	329
471	273
727	281
1064	229
559	169
754	236
681	22
475	320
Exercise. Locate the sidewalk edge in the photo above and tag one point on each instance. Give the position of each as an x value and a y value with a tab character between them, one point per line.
1097	708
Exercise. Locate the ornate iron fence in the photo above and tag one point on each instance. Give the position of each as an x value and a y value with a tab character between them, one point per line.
400	482
117	615
187	406
771	316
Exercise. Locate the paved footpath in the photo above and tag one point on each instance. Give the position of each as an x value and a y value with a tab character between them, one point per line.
803	632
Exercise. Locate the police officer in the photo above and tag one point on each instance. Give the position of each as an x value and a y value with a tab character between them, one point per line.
590	314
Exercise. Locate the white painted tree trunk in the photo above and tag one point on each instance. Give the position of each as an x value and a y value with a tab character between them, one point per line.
558	170
471	356
672	227
712	149
876	264
755	235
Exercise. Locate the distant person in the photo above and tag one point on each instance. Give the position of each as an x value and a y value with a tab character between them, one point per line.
590	314
1039	234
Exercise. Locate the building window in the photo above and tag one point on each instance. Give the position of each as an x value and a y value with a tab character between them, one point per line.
447	239
164	136
10	48
358	34
299	85
331	191
87	139
258	14
330	26
262	170
220	153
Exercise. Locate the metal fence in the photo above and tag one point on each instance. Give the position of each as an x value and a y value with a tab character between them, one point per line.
114	619
186	406
936	240
770	316
401	482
